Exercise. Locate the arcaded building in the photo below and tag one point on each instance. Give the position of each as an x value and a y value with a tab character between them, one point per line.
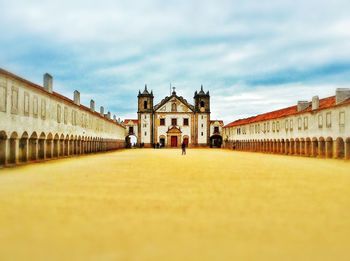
174	120
37	123
318	128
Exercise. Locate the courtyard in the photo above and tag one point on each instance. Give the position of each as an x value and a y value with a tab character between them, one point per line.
147	204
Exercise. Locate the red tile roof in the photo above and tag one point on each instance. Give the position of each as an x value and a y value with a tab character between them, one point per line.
56	95
133	120
325	103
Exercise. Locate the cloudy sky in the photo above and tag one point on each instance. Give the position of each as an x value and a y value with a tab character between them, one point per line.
253	56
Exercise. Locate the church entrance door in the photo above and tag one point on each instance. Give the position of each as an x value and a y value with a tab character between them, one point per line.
173	141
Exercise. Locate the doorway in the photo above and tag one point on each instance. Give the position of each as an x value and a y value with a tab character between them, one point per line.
173	141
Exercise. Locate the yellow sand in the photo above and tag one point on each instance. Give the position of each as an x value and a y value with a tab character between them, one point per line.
158	205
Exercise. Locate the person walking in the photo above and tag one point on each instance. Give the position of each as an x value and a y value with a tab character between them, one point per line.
183	146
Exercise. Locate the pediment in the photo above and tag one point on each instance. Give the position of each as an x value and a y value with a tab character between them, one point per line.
174	104
174	130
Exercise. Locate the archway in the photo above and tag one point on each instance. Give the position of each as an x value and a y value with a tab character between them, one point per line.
292	147
13	148
33	146
42	147
61	150
66	146
49	146
339	148
347	148
56	145
3	148
216	141
297	147
329	147
23	147
321	147
314	147
308	147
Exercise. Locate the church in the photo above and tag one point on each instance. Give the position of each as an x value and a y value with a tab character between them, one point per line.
174	120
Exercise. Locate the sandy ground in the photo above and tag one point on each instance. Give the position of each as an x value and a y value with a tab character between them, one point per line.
158	205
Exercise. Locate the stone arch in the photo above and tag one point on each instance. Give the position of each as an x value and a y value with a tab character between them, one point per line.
66	145
292	147
329	147
287	145
282	147
3	148
308	147
321	147
61	146
49	147
314	147
33	146
13	148
79	145
56	145
23	147
302	146
347	148
71	145
297	146
42	146
339	148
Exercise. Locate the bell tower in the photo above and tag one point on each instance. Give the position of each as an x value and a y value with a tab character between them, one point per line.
145	117
202	117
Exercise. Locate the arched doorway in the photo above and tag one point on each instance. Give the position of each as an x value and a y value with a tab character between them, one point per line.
3	149
340	148
215	141
33	146
13	148
42	148
329	147
23	147
131	141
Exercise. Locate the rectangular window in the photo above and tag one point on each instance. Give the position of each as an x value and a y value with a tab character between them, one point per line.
342	119
277	126
216	129
268	127
14	100
162	122
43	109
286	124
131	130
26	103
202	133
145	116
299	123
145	133
273	126
291	124
58	113
306	123
320	121
186	122
66	116
264	126
328	120
35	106
3	95
174	121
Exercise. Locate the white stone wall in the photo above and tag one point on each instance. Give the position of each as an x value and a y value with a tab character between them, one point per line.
202	128
145	127
186	130
309	126
24	108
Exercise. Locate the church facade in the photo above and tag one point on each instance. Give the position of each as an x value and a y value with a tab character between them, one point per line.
174	120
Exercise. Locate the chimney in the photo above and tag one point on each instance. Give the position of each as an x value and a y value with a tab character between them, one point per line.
302	105
102	110
92	105
48	82
315	103
342	94
109	115
77	97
